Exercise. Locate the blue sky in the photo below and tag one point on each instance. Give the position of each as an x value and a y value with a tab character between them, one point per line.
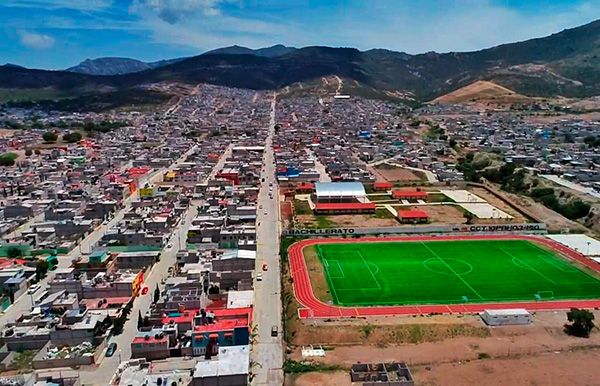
56	34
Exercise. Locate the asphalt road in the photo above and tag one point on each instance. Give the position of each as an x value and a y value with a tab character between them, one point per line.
104	372
267	351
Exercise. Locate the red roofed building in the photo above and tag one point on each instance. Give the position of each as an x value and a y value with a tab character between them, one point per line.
409	194
413	216
221	327
382	186
344	207
151	346
305	187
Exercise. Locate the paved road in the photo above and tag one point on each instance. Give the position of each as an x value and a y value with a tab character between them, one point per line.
572	185
319	167
103	373
267	351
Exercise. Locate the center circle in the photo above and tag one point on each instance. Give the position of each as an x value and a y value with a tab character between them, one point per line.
448	266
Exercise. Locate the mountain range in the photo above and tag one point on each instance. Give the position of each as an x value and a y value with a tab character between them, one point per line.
117	66
565	63
120	66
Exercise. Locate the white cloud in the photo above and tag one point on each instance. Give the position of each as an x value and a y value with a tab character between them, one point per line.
35	40
463	25
173	11
415	27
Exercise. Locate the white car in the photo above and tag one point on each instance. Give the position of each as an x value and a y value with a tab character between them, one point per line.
33	288
259	276
169	246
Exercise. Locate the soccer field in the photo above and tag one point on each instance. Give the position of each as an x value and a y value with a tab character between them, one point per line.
450	272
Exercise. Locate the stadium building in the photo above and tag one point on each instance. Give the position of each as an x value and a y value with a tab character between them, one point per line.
341	198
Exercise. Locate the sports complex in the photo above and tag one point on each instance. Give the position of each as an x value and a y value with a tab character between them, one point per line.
372	276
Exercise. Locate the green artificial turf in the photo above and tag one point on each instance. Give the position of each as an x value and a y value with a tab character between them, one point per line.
450	272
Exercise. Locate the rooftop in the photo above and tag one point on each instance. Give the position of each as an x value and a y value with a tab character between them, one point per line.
340	189
232	360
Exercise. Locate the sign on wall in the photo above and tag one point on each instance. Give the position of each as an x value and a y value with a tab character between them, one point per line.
460	228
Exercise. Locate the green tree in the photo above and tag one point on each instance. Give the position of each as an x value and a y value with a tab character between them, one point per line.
582	322
156	294
7	159
140	321
41	268
118	324
49	136
14	252
72	137
28	152
469	216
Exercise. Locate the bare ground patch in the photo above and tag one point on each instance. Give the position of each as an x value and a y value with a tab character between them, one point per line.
334	378
578	368
347	220
440	214
383	335
392	173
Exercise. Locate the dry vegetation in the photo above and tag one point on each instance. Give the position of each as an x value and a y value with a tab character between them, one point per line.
482	91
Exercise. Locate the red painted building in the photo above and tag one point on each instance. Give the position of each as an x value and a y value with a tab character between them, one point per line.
409	194
305	187
345	207
413	216
382	186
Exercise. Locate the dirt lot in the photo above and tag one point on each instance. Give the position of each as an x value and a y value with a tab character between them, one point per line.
346	220
442	349
391	173
4	133
578	368
334	378
547	369
440	214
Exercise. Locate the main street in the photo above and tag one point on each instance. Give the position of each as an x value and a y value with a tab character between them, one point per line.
267	351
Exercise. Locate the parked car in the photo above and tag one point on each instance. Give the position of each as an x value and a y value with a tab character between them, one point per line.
144	290
259	276
265	267
110	351
33	288
274	331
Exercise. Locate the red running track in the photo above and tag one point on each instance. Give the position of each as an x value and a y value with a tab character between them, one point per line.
314	308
